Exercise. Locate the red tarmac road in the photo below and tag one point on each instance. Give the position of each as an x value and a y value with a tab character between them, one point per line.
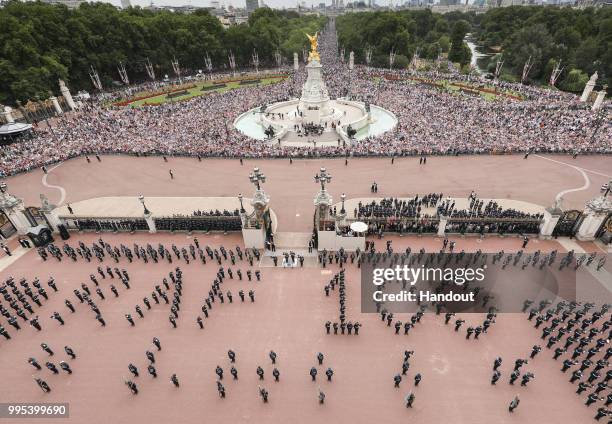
292	187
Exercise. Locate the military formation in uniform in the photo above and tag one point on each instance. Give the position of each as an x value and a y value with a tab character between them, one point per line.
576	334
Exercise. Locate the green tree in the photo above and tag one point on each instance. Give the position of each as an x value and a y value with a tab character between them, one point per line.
459	51
574	81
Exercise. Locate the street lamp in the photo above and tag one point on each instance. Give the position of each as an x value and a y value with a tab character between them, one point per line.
242	210
323	177
146	211
257	177
343	197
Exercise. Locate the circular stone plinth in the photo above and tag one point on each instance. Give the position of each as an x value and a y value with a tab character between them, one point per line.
283	117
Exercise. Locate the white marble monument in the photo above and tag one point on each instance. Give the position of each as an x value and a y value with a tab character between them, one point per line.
56	105
8	114
600	98
588	88
314	119
595	213
66	93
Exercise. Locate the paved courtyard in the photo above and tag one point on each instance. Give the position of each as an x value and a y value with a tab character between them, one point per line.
287	317
290	307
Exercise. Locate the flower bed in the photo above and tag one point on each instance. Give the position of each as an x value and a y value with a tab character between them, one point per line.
154	94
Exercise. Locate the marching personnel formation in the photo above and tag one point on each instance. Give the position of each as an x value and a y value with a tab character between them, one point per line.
584	331
16	296
346	327
64	365
578	334
151	368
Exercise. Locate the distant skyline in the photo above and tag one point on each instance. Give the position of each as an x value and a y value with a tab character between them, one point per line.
206	3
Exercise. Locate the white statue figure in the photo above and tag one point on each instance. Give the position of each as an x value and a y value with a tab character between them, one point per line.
45	202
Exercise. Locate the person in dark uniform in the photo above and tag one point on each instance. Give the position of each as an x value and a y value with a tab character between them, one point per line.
273	357
458	324
558	352
514	403
576	375
69	305
417	379
260	372
221	389
43	385
34	363
157	343
174	380
519	363
469	332
150	356
329	373
320	358
152	370
514	376
397	379
409	400
495	378
46	348
497	363
313	373
132	386
234	372
100	294
592	398
101	320
602	412
51	366
276	374
232	356
200	323
133	369
219	372
63	365
526	378
321	397
582	386
58	317
264	394
70	352
130	319
567	364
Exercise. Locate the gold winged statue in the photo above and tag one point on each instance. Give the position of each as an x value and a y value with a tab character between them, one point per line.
314	44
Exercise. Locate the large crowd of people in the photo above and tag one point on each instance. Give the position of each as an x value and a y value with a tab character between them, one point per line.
431	121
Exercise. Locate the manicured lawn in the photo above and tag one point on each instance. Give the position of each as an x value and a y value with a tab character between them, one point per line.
196	90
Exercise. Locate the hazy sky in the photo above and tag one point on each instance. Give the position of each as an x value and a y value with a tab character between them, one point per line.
205	3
